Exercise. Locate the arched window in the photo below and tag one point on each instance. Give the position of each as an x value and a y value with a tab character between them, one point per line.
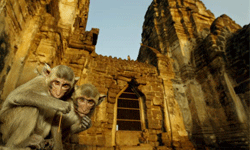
129	115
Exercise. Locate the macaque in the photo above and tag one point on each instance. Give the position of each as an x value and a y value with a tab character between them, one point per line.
83	102
27	113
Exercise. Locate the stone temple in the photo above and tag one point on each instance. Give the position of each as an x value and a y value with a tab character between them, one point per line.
188	89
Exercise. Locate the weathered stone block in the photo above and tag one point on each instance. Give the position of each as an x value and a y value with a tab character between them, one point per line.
46	51
127	138
105	148
155	144
97	123
112	94
111	100
141	147
108	126
165	139
157	115
99	130
148	104
110	110
157	101
163	148
149	115
110	117
86	140
141	81
100	140
110	106
91	131
153	137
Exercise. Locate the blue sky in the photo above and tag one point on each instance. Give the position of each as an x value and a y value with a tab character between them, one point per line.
120	22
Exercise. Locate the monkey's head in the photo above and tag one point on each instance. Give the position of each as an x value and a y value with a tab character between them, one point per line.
86	97
60	80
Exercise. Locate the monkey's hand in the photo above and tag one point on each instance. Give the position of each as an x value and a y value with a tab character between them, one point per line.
82	124
65	107
86	123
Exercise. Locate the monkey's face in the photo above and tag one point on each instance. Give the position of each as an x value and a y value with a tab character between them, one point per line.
59	87
85	105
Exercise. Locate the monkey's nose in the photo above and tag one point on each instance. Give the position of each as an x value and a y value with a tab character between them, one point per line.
59	91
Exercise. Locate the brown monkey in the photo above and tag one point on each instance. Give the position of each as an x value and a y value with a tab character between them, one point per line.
27	113
84	100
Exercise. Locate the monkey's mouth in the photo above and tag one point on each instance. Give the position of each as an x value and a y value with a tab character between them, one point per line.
54	94
81	113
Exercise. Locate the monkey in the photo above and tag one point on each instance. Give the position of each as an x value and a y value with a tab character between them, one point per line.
27	113
83	102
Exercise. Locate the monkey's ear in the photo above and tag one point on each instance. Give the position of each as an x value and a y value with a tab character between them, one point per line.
46	70
76	79
101	99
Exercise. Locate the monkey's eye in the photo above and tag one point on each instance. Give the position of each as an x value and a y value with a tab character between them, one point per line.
81	100
66	86
56	82
89	102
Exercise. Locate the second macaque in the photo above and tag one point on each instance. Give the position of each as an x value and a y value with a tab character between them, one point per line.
83	103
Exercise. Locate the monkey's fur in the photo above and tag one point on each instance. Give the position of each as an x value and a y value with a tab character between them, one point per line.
28	111
72	122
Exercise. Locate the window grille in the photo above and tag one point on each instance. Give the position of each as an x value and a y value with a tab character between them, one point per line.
128	111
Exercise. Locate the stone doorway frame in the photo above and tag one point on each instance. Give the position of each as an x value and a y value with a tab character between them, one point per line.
141	106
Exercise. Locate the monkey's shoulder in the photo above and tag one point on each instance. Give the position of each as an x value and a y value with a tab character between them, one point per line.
33	82
39	80
36	84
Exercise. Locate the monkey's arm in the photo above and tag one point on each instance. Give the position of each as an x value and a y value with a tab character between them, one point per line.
40	100
81	125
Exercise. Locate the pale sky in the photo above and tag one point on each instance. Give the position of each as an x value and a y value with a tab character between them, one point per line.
120	22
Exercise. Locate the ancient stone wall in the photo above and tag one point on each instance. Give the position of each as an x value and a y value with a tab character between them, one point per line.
19	22
203	49
111	76
54	33
237	54
34	33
